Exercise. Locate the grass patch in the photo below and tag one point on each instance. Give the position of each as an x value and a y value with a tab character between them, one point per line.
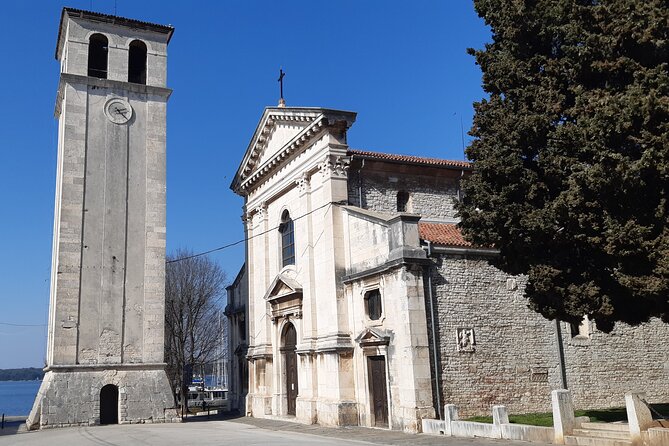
533	419
596	415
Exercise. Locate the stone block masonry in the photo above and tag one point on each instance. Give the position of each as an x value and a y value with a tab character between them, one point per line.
105	347
71	396
431	196
510	353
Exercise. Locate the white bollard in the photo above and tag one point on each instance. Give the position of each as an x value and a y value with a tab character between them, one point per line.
500	415
638	416
563	414
450	414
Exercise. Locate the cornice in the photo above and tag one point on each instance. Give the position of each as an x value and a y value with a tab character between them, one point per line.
249	174
291	147
77	79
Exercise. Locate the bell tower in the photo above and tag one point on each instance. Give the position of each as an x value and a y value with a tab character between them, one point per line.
105	351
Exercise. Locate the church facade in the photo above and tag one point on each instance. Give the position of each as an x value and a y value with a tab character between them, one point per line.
364	305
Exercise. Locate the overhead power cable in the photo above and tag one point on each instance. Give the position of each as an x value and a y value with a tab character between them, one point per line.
229	245
199	254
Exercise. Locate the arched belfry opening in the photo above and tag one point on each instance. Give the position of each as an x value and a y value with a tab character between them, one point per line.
288	349
137	62
98	47
109	404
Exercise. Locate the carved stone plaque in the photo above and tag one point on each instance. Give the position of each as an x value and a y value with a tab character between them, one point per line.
465	339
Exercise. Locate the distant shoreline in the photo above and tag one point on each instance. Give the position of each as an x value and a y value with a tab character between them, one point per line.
18	380
24	374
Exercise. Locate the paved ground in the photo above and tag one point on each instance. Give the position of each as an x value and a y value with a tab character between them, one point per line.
235	431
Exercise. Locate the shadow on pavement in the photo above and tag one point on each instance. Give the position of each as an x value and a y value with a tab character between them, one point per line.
14	425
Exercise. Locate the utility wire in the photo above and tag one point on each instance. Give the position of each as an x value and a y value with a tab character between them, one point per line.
229	245
220	248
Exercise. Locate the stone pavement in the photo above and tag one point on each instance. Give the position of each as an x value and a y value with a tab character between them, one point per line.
233	431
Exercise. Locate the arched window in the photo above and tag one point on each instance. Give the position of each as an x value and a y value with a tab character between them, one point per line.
402	201
98	47
137	62
287	240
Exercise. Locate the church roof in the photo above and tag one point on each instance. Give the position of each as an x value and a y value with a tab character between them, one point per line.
447	234
309	122
409	159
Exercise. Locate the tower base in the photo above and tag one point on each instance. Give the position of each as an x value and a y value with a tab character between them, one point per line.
71	396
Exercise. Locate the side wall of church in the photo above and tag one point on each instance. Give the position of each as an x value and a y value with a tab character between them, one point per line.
237	313
603	367
432	196
407	353
514	360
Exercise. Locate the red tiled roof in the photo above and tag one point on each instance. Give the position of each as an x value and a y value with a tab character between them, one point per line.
409	159
442	234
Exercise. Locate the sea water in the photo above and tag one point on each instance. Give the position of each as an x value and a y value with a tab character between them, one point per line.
17	397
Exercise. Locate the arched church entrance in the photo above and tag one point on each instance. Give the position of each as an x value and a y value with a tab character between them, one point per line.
109	404
289	343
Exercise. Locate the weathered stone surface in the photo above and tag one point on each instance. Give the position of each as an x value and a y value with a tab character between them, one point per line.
451	327
515	361
639	416
525	432
106	315
563	414
431	195
72	397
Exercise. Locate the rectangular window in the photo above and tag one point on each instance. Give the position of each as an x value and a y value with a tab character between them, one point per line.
373	304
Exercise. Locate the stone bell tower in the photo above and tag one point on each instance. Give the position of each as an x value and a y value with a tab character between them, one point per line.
105	352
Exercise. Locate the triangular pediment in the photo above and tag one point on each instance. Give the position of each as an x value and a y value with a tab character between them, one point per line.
282	133
283	286
373	337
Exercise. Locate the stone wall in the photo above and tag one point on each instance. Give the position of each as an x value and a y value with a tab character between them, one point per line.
72	397
237	314
432	196
603	367
514	357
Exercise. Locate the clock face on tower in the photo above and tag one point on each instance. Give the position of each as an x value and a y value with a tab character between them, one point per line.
118	110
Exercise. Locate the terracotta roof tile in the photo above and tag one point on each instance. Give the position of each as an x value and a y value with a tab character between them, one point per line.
409	159
442	234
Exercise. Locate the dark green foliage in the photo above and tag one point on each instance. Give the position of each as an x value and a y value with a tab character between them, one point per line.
571	153
27	374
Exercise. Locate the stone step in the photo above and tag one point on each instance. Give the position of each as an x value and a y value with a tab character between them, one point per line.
621	427
601	433
595	441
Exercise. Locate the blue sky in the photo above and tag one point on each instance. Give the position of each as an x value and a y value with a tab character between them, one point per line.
401	65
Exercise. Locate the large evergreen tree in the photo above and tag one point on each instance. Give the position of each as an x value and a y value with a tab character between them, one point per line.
571	155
